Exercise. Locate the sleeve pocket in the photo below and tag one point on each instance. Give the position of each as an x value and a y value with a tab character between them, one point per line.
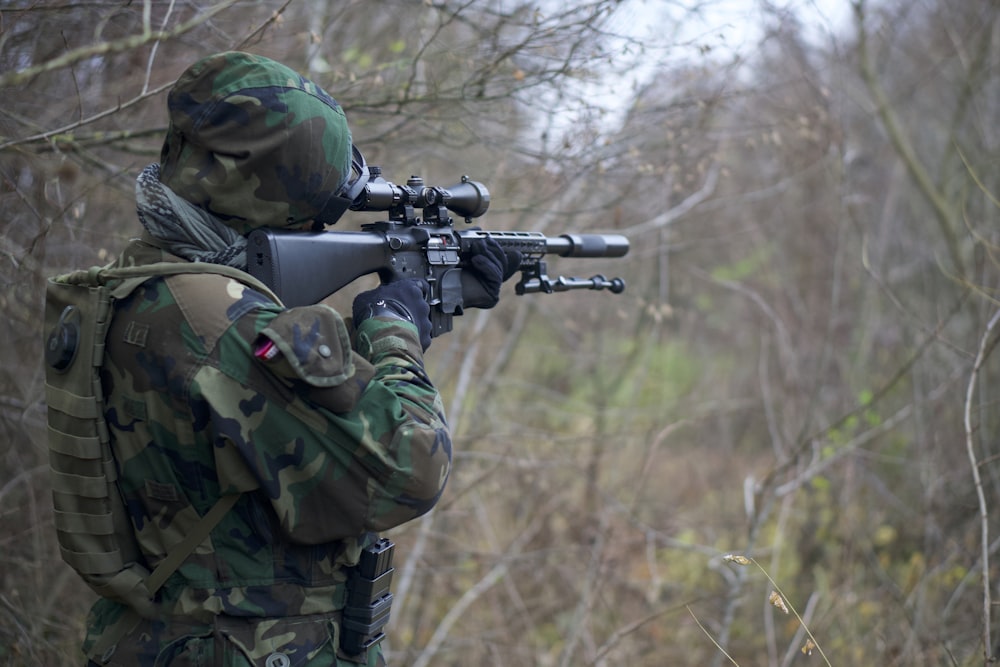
312	344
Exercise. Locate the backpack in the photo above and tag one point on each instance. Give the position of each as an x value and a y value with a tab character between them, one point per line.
92	525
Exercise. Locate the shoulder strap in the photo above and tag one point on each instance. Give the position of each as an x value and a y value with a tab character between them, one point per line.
176	556
132	276
103	648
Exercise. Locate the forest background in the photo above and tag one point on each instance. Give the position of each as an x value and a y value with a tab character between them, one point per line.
798	392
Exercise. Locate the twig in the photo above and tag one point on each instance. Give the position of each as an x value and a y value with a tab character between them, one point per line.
72	126
407	572
146	10
23	476
797	639
667	218
710	637
590	589
944	214
791	607
628	629
779	600
18	77
263	26
496	573
974	464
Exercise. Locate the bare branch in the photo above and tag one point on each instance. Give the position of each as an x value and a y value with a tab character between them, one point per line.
943	211
18	77
984	349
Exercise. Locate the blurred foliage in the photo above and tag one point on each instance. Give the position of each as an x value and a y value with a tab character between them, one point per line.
815	233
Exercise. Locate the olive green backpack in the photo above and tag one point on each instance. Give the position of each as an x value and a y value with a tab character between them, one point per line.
93	528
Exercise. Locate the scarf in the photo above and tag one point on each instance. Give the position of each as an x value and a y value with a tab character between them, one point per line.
184	229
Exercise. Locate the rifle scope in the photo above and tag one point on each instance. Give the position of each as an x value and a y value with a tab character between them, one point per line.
469	199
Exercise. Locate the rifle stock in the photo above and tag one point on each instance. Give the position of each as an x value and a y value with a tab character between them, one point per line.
304	268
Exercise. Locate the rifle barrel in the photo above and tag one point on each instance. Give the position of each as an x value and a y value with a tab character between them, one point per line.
588	245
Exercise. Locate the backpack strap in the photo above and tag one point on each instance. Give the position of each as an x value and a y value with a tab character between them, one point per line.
103	648
133	276
199	533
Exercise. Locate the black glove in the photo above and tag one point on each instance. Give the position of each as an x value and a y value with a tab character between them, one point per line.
402	300
489	266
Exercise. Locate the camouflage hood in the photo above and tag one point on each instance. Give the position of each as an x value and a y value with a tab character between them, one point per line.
255	144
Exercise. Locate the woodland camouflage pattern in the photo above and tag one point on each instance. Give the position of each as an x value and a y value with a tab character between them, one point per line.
327	444
254	143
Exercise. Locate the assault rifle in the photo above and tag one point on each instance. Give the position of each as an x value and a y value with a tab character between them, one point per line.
303	268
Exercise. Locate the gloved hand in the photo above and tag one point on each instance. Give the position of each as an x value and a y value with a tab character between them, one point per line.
403	300
489	266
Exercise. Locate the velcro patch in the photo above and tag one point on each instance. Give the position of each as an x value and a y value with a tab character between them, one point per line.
160	491
136	333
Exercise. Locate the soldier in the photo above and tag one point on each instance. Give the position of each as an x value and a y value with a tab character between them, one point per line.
323	431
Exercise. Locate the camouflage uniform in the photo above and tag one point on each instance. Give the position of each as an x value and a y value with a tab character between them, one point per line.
339	435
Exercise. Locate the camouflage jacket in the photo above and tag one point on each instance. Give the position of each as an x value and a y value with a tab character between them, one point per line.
334	437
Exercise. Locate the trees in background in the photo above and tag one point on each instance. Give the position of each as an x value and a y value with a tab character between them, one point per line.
801	371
